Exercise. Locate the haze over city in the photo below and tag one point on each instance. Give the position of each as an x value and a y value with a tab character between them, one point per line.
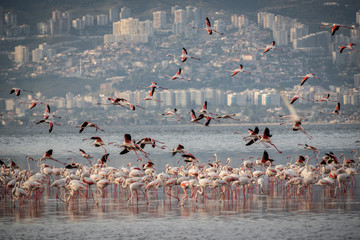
77	55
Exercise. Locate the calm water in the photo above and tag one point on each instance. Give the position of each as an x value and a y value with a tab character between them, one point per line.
264	217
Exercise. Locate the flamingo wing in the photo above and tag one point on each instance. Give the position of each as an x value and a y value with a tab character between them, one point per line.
208	24
294	99
304	80
184	51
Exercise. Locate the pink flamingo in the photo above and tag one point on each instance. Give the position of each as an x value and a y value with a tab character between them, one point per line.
335	27
325	99
51	124
48	113
239	69
179	149
349	46
306	77
177	76
208	28
17	91
271	46
154	85
88	124
184	56
266	138
97	143
150	96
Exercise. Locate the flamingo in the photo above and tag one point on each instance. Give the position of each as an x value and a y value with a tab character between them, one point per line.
34	103
208	28
312	148
325	99
336	110
121	102
266	138
296	97
97	143
239	69
228	116
128	145
252	137
88	124
271	46
51	124
154	85
150	96
335	27
150	141
184	56
349	46
306	77
188	157
48	155
295	117
178	149
17	91
48	113
134	187
177	76
171	113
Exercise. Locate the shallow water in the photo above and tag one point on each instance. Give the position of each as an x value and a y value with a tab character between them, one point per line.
274	215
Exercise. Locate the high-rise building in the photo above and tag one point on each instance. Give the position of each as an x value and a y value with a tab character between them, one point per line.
37	55
22	54
1	20
102	19
60	23
357	80
180	16
358	17
281	37
10	18
114	14
78	24
88	20
159	19
124	13
43	28
298	31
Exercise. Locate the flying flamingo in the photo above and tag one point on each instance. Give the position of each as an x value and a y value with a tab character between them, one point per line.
150	141
84	155
228	116
48	113
295	117
349	46
335	27
252	137
183	56
154	85
296	97
337	111
97	143
150	96
178	149
88	124
266	138
306	77
208	28
17	91
121	102
271	46
325	99
171	113
48	155
34	103
129	145
177	76
51	124
239	69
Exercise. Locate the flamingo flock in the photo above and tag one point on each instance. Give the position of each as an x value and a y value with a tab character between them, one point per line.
190	183
213	180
